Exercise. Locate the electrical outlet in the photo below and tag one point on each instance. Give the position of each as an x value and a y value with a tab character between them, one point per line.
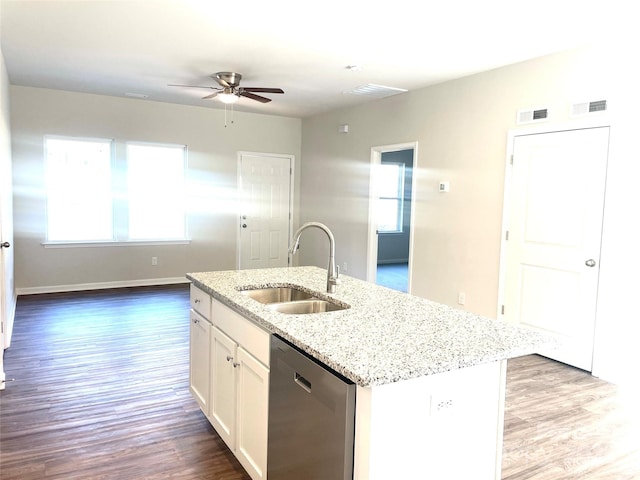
462	298
345	267
442	405
154	261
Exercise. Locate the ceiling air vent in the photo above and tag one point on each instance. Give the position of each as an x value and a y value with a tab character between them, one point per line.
530	116
373	90
585	108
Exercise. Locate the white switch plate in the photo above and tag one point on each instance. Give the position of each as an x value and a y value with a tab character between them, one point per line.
443	187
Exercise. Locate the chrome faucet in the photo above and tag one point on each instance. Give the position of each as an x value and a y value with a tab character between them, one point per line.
333	272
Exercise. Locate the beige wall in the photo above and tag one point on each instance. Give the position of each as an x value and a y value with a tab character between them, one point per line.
212	179
461	128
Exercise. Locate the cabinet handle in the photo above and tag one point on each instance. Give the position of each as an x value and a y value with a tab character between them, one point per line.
229	358
236	364
196	321
196	301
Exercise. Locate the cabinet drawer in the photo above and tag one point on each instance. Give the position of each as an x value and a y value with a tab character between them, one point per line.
200	302
244	332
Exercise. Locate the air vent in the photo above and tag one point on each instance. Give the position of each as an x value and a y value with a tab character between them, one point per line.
585	108
377	91
530	116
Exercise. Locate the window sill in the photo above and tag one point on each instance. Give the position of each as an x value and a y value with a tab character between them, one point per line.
129	243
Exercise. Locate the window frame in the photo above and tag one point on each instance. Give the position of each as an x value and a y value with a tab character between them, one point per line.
119	187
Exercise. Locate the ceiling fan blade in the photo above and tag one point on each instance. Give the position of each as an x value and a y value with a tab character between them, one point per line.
222	82
254	97
262	89
191	86
210	96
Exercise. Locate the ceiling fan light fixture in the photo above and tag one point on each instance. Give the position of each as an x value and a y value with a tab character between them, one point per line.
228	98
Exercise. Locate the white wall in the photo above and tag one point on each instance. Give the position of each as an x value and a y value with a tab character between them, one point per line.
212	179
461	128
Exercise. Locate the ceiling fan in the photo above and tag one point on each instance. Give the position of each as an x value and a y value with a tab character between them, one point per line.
230	90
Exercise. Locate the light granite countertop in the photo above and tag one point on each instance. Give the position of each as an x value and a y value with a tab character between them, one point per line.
384	337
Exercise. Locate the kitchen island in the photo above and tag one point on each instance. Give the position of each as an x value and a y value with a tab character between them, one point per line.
430	378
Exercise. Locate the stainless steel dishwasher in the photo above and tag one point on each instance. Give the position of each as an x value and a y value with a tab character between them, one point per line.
311	418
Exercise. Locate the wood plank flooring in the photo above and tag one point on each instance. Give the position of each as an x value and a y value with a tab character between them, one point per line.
562	423
101	392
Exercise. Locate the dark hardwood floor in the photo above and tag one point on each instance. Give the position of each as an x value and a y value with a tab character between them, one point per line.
101	392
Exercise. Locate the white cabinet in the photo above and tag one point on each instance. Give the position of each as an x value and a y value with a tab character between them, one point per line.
239	402
223	393
240	387
199	360
229	377
252	415
200	348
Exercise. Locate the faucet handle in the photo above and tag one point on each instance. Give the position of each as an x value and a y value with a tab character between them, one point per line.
336	280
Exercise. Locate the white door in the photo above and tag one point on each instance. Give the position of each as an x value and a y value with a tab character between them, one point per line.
265	217
7	290
554	232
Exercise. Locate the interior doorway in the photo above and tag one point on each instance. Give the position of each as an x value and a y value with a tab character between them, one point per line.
391	216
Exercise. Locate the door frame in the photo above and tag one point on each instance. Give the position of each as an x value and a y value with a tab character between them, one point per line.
511	134
372	237
292	171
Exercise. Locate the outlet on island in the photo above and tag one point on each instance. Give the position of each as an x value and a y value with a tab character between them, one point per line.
154	261
462	298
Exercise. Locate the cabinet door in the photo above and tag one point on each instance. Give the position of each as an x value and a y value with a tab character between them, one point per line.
253	409
223	389
199	360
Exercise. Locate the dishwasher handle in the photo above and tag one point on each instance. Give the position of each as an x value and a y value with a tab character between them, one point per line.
302	382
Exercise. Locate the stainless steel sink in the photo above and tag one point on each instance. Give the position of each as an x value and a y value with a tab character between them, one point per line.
292	300
306	306
277	294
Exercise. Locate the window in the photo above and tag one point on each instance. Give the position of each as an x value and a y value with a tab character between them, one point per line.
390	183
78	176
92	196
155	176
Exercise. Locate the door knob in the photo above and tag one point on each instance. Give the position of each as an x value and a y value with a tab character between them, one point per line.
590	263
5	245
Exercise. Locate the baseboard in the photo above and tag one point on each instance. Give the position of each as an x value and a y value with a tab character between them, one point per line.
146	282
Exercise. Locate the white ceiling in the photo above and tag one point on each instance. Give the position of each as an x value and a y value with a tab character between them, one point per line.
140	46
